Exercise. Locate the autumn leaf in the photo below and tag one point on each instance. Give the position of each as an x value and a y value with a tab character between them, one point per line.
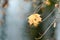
47	2
34	19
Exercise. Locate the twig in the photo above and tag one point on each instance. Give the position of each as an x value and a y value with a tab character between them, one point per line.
38	8
48	15
46	30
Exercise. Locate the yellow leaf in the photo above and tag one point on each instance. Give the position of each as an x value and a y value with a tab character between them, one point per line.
34	19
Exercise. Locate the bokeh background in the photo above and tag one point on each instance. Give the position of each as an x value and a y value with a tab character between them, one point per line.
14	20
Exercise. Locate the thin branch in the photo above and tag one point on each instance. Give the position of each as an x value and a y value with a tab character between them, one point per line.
46	30
38	8
49	15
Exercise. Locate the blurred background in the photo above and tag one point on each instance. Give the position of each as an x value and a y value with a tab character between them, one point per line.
16	22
